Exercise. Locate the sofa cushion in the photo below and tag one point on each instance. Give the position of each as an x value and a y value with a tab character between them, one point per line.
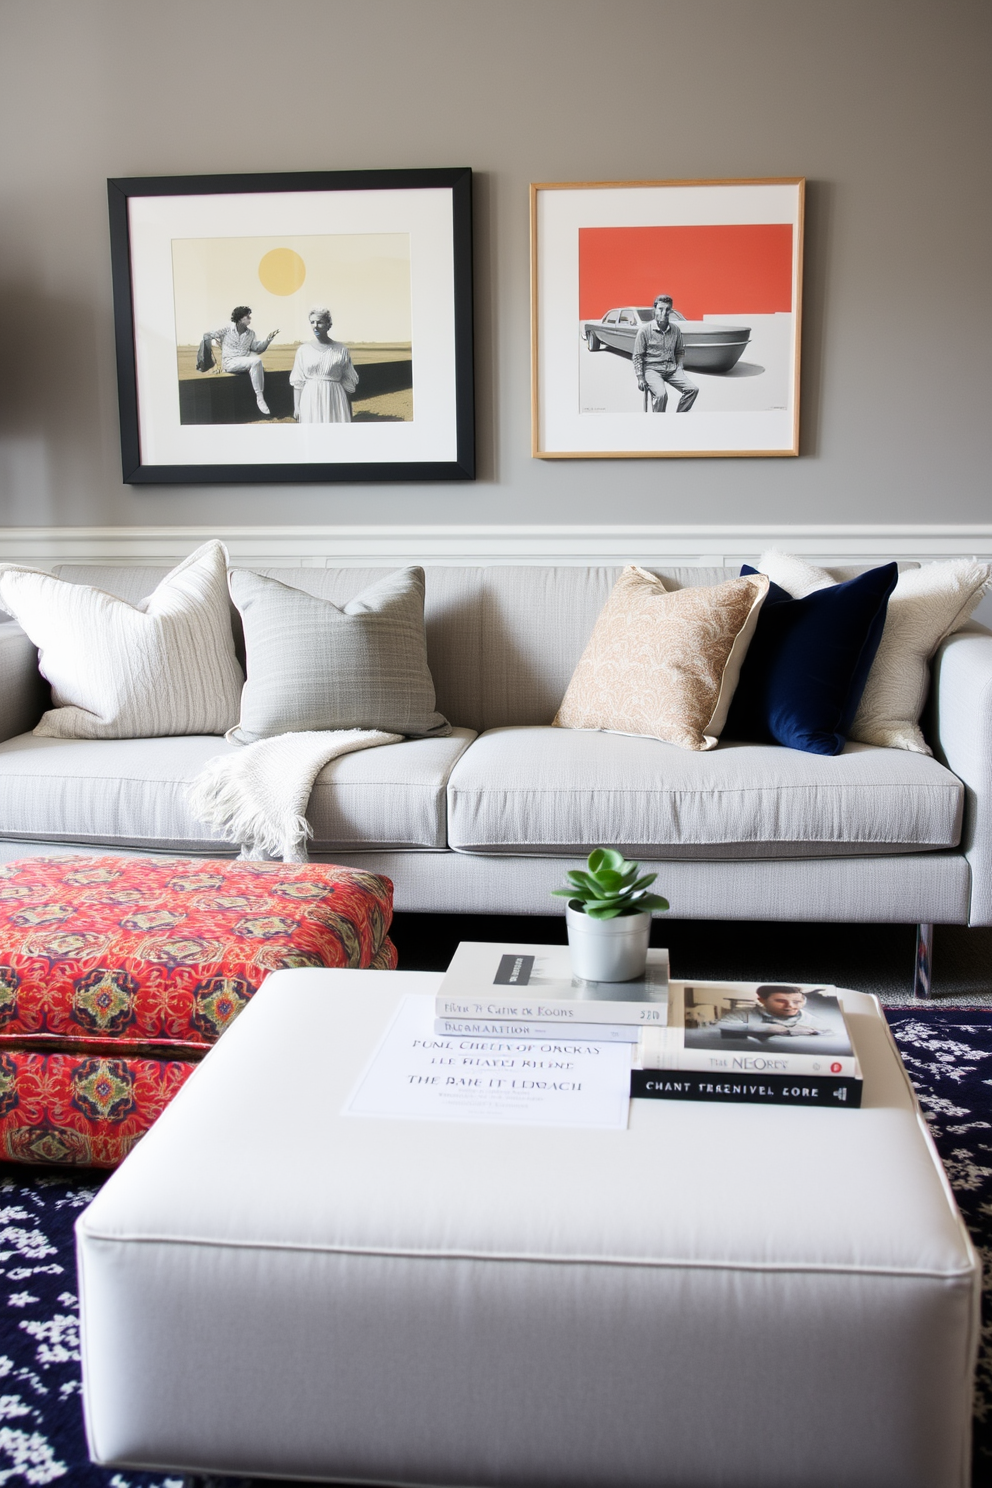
546	790
132	793
804	674
315	665
453	605
662	663
165	666
927	605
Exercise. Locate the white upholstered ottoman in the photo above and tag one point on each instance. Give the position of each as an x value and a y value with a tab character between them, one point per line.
720	1295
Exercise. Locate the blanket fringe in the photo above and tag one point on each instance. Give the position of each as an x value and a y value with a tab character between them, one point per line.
218	800
256	796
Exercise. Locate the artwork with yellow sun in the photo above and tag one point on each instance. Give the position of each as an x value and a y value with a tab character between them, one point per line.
265	326
239	371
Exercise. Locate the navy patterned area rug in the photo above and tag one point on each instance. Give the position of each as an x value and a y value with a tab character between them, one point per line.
948	1053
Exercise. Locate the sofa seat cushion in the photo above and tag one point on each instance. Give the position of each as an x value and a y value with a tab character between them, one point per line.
557	791
132	793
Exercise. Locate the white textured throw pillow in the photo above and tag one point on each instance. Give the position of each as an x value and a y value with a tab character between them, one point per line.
794	575
123	671
927	605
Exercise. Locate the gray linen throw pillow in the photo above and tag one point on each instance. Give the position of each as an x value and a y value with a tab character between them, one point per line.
312	665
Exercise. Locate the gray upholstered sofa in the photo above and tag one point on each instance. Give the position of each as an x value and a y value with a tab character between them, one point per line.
487	819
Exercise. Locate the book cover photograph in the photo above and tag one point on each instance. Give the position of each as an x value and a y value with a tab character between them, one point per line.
773	1018
750	1029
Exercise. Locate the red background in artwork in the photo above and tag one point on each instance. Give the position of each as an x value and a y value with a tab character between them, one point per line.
741	268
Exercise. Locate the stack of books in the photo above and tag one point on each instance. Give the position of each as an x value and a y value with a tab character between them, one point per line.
773	1043
530	992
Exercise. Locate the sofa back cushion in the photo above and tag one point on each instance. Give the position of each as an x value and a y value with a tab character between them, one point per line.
453	604
536	623
502	641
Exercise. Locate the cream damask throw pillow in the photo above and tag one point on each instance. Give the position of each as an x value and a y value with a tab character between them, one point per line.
123	671
664	663
927	605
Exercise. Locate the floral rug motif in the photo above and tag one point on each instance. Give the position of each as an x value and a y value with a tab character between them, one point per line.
948	1053
948	1056
41	1424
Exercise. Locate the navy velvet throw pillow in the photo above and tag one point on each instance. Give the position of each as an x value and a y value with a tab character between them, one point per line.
808	663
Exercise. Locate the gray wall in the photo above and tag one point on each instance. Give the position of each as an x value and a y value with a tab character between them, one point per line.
884	105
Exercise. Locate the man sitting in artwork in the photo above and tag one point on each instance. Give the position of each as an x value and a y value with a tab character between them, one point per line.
240	351
659	354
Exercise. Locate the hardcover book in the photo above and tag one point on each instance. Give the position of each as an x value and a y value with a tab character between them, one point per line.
738	1029
767	1090
535	984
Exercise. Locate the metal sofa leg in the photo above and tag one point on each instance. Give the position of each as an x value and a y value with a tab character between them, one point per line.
924	961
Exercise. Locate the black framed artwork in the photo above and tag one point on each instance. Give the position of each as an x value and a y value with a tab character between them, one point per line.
313	326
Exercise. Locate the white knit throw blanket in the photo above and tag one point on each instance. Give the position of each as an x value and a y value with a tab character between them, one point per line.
258	797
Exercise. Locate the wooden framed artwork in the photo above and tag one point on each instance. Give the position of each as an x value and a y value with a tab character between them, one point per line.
306	327
665	318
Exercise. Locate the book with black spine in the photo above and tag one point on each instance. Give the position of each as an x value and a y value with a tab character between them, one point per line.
498	982
768	1090
779	1038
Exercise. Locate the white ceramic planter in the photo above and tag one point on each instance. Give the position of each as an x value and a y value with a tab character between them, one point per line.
608	950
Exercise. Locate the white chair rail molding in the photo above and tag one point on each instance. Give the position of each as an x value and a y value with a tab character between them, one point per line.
361	545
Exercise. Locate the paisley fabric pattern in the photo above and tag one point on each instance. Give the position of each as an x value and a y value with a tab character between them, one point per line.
949	1058
664	664
116	975
67	1108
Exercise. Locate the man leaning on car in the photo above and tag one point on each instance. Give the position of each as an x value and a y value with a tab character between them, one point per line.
659	353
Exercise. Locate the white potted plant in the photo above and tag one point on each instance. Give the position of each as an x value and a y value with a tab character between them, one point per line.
608	916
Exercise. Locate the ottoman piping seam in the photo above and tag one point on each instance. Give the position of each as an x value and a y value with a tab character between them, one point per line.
469	1255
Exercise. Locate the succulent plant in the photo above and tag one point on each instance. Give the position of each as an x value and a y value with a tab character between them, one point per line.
610	887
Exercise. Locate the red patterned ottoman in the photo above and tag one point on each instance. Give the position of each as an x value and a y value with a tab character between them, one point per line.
117	974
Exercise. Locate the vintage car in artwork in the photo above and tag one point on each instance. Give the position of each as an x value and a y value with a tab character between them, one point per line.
708	347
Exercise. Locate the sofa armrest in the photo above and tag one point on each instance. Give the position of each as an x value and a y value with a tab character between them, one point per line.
23	690
961	732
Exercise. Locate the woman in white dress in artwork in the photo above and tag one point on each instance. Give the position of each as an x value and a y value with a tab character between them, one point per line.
322	376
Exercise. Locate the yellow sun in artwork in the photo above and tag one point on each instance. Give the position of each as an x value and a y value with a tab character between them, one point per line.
281	271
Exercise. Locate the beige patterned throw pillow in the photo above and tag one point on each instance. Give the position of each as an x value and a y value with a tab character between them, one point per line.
664	664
